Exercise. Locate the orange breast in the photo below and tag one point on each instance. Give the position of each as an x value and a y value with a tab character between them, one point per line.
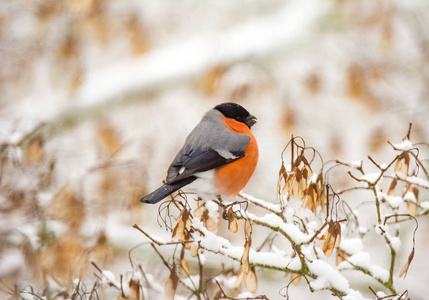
233	177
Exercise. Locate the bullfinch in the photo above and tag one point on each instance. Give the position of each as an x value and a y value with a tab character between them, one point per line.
218	158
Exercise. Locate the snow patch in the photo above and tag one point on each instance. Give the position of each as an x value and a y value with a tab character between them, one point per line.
371	177
404	146
327	276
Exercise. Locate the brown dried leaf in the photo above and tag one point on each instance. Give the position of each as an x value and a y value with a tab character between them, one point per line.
211	79
108	141
244	262
193	249
65	258
179	230
35	153
184	268
299	185
295	278
356	82
331	238
211	225
282	176
314	192
402	165
137	35
171	285
232	222
47	9
282	172
68	206
250	280
309	201
288	119
412	208
303	181
405	268
287	187
102	249
341	255
294	187
415	191
134	286
392	190
199	211
312	83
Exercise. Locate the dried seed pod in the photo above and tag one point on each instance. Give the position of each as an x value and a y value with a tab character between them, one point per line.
250	280
193	249
392	190
244	262
331	238
134	286
404	269
287	188
402	165
303	182
182	226
310	199
232	222
35	153
411	205
199	211
184	268
171	284
341	255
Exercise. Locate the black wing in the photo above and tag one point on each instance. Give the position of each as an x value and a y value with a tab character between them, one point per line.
190	161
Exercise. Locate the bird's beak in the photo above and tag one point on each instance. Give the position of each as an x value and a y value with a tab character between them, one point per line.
250	121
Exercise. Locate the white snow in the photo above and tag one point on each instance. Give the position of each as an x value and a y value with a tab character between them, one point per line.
327	276
363	259
404	146
394	201
108	277
134	276
380	294
275	221
425	204
371	177
263	203
418	181
409	196
354	295
356	163
213	210
218	244
395	242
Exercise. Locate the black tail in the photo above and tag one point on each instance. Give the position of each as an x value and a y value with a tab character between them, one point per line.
165	190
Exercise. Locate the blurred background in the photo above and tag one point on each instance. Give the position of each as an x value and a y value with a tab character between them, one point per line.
96	98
